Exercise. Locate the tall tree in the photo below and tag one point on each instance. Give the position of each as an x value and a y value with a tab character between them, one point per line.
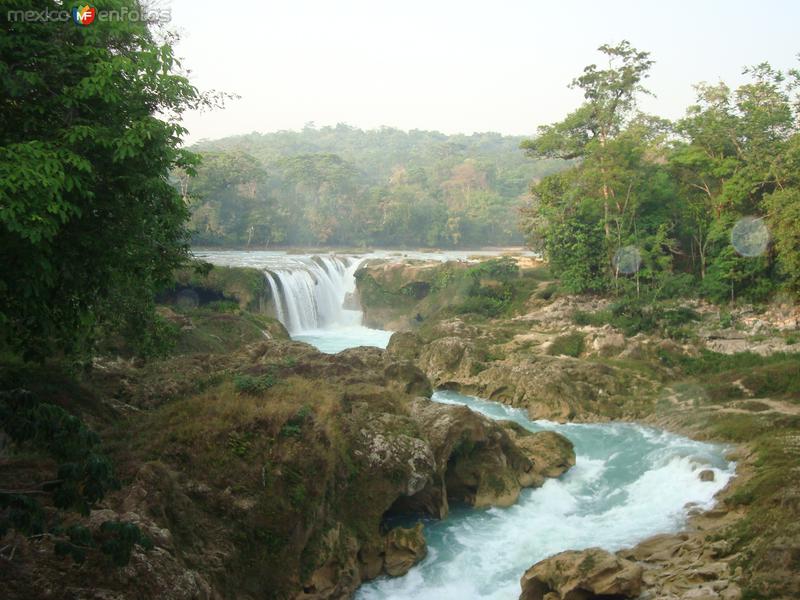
610	97
614	147
89	131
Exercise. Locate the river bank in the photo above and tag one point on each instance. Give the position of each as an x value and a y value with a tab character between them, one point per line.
726	377
259	466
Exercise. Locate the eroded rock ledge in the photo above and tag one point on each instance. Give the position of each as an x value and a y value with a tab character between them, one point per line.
585	575
278	471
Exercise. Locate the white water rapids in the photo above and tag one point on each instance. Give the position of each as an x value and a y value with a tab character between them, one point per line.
630	481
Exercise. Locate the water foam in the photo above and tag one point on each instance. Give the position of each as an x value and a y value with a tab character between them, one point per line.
629	482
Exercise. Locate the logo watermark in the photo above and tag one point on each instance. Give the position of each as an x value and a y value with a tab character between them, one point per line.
85	15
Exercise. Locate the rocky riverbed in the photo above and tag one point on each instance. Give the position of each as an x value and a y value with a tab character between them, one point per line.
730	377
277	471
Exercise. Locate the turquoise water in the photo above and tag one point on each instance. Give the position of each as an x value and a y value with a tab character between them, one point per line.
630	482
335	339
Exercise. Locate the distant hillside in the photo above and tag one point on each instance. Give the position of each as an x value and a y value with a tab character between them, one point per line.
346	186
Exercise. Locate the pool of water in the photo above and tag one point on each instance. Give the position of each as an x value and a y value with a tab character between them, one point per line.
630	482
335	339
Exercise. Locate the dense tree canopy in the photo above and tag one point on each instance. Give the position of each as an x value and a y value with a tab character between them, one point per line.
344	186
90	226
654	205
89	132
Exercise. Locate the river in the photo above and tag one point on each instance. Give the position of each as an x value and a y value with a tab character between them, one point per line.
629	481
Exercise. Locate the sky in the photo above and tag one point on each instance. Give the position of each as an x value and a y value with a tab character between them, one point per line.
456	67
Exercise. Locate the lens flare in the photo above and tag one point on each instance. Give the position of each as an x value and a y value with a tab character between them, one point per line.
627	260
750	236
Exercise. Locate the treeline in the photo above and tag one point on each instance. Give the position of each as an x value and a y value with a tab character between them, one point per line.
342	186
652	208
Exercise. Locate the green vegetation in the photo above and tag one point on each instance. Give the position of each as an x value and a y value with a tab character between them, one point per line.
488	289
82	477
216	286
494	287
766	534
731	376
654	209
294	425
90	224
634	316
344	186
253	384
570	344
90	227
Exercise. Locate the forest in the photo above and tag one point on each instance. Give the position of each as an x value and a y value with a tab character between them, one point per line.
343	186
156	448
708	203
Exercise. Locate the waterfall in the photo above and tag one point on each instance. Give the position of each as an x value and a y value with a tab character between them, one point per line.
310	292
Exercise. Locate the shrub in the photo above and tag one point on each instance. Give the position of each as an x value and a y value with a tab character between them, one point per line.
251	384
634	316
84	476
548	291
503	269
487	306
224	306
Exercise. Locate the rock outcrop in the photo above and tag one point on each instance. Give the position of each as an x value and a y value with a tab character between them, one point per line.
278	470
585	575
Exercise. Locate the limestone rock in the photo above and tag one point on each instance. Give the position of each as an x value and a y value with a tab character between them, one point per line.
338	575
608	343
551	453
408	377
584	575
446	359
404	345
404	549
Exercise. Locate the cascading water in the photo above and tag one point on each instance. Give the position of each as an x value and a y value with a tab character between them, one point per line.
313	295
310	292
313	298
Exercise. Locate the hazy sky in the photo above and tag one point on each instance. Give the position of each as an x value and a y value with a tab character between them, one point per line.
463	66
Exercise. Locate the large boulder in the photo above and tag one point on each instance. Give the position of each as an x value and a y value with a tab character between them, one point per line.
549	387
447	359
582	575
481	462
404	345
551	454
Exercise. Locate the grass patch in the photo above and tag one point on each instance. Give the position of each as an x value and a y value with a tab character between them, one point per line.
570	344
766	536
294	425
727	376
